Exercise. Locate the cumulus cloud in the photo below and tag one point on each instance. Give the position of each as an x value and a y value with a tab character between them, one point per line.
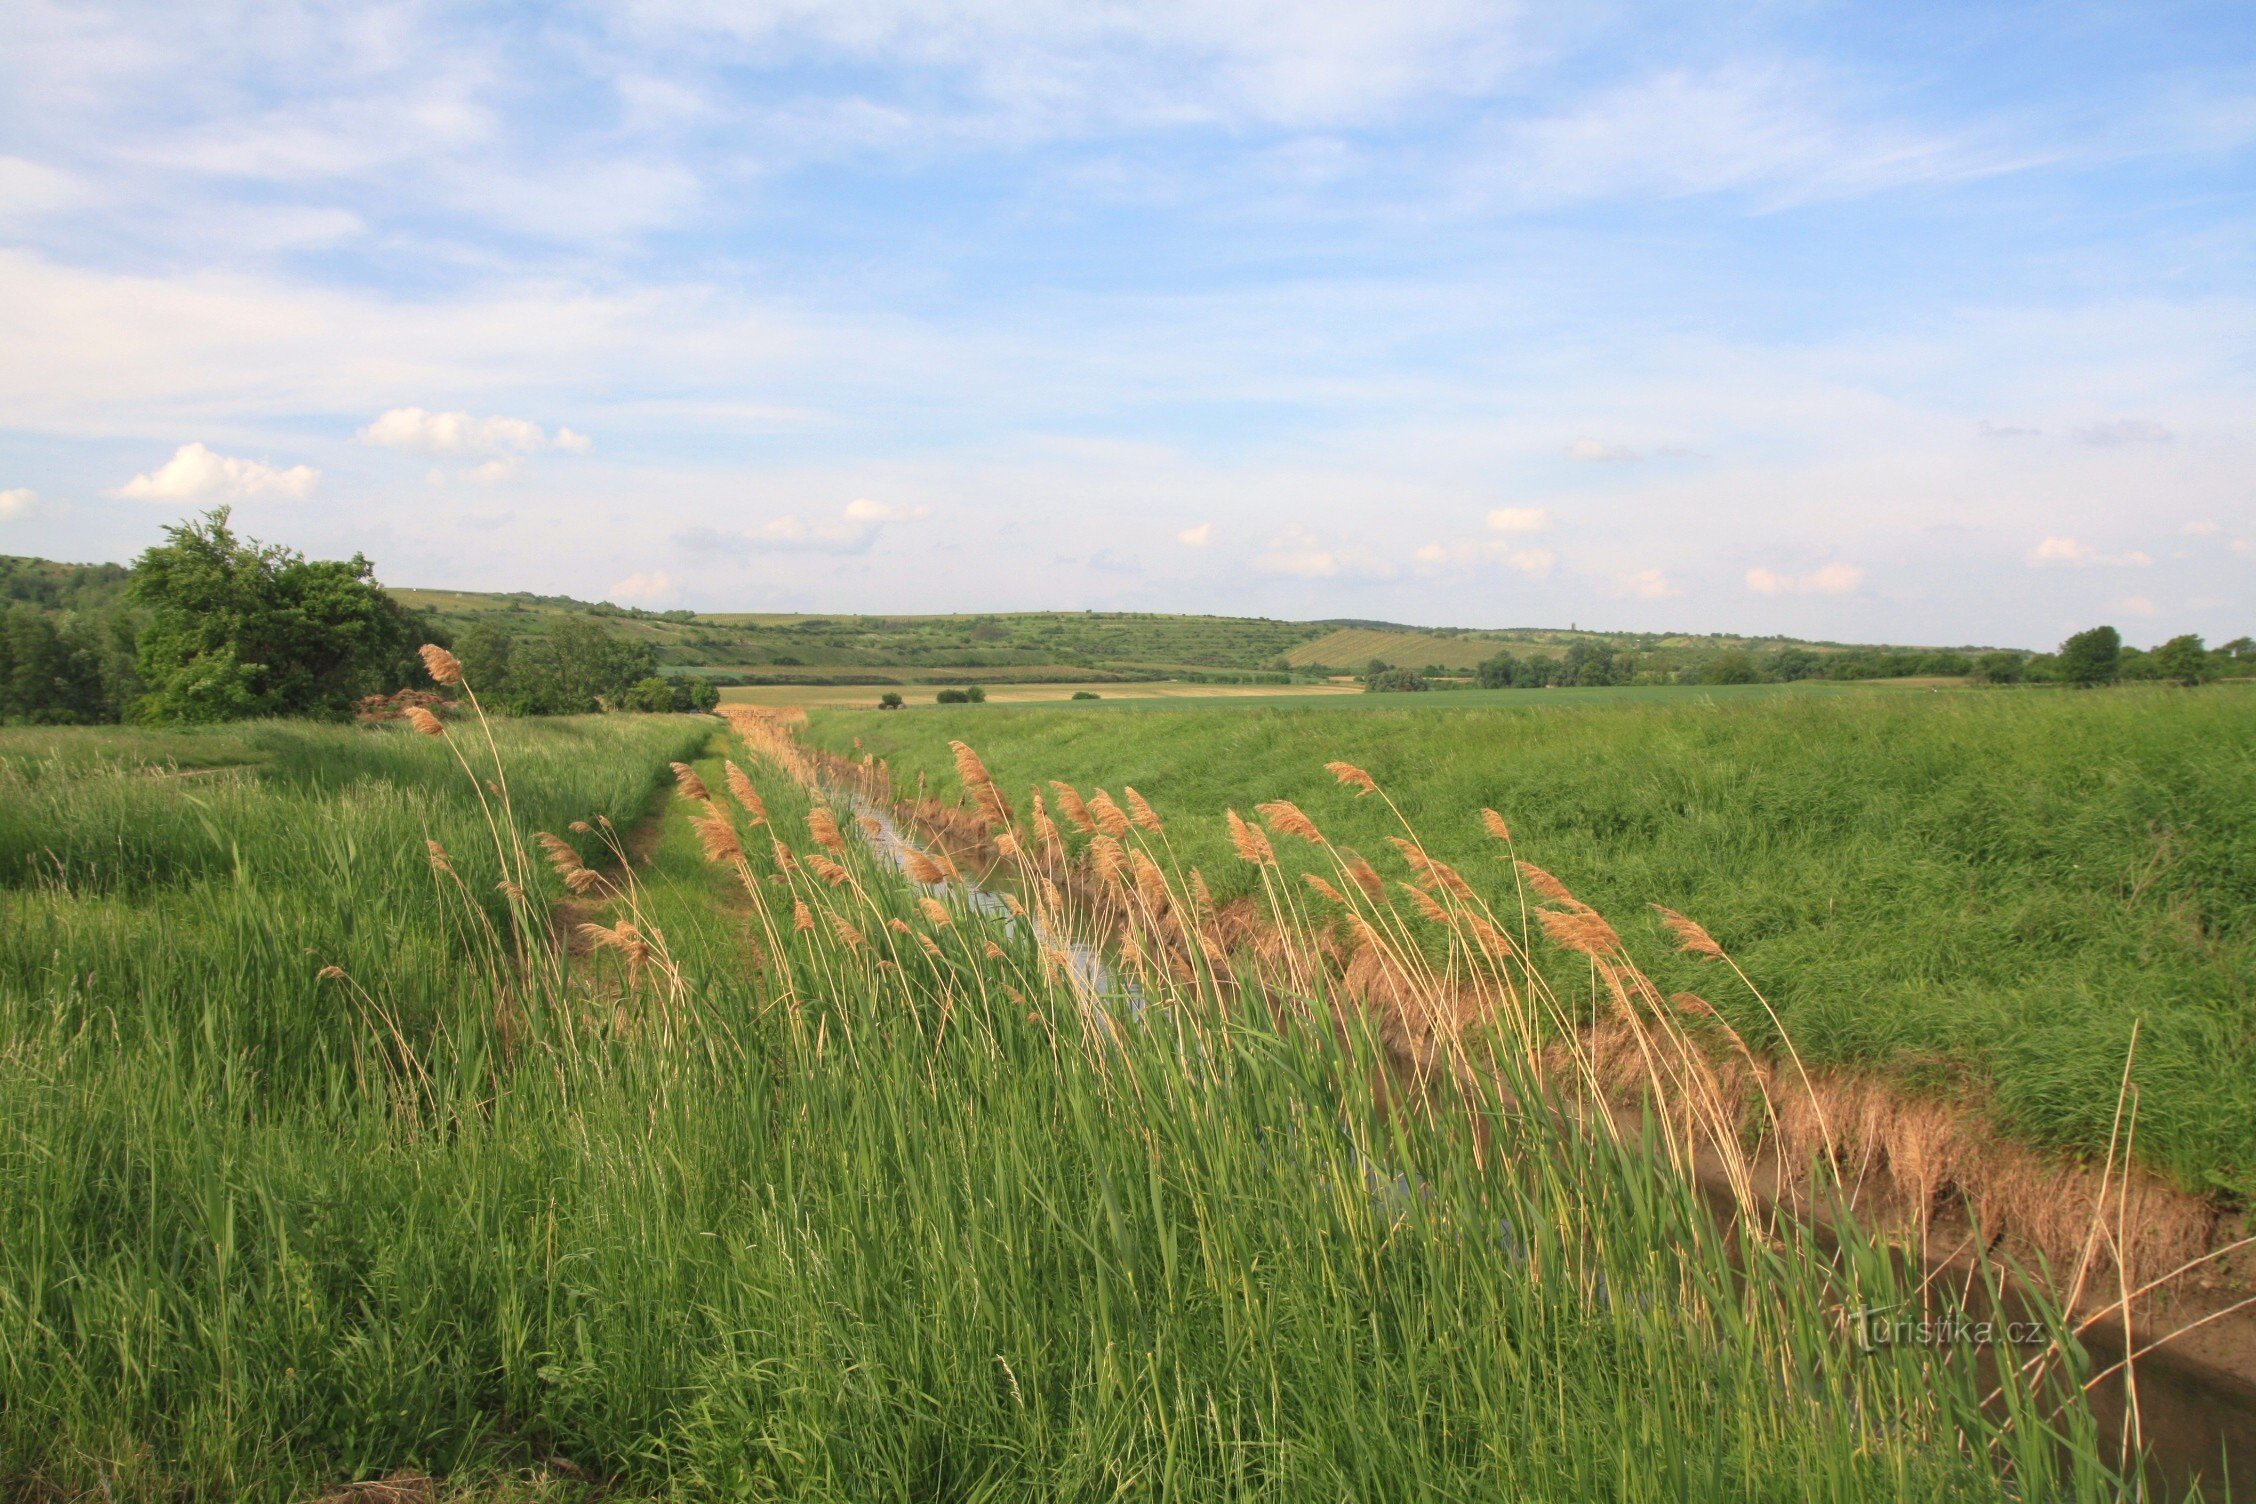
1599	451
424	432
1645	584
17	502
196	474
1833	579
2076	554
851	530
2123	431
1195	537
1302	554
642	588
1518	520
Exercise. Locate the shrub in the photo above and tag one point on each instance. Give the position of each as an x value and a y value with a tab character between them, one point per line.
1085	694
2093	657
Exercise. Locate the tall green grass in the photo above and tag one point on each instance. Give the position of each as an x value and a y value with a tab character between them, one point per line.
787	1214
1976	894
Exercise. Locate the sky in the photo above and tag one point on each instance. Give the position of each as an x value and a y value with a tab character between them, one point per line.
1907	322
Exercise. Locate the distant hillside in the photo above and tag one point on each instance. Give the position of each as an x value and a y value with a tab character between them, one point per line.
60	587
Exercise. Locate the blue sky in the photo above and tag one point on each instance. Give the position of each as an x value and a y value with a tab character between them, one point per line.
1906	322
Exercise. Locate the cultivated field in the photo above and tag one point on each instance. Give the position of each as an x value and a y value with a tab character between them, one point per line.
864	696
806	1171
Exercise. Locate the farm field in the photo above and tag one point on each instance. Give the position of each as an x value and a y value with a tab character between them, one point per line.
865	696
1972	894
325	1160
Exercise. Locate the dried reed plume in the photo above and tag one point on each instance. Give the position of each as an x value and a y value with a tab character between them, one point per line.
1045	828
1069	801
580	828
828	870
1151	883
1286	819
1493	941
718	837
1496	826
1353	777
783	860
1252	845
741	786
937	912
1108	815
1366	877
1107	858
438	856
844	931
981	786
441	665
1547	885
802	918
930	948
1006	844
1199	893
996	952
691	786
1692	1004
425	722
623	938
1692	937
330	974
1141	812
1325	888
1582	930
921	869
559	851
823	826
1432	871
1425	903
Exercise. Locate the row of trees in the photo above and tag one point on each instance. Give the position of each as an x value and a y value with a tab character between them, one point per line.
214	627
2093	657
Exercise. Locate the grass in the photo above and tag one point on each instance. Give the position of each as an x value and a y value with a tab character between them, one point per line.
882	1207
1973	894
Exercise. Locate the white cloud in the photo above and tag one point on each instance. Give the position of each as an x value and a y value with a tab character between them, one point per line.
1518	520
1301	554
196	474
1464	552
492	472
425	432
17	502
1833	579
852	530
29	188
2123	431
1645	584
2070	551
1598	451
573	443
2201	529
1195	537
650	587
2135	605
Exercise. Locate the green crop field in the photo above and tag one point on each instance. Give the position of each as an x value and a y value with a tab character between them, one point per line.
324	1161
1974	893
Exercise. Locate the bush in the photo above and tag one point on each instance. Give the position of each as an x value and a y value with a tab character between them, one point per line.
890	700
952	697
1086	694
2182	660
1395	681
2092	657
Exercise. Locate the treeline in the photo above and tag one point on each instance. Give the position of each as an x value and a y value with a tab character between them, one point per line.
209	627
2093	657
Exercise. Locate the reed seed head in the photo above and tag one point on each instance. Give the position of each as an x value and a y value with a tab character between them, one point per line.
740	785
1496	826
1351	776
441	665
937	912
1142	813
1251	844
1691	937
1286	819
1069	800
425	722
1108	815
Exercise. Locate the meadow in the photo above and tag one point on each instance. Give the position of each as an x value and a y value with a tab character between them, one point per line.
323	1161
1972	894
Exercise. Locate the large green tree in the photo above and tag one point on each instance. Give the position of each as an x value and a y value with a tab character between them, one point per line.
2182	660
237	628
2091	657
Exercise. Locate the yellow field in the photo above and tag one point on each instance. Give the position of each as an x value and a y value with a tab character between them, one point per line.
1352	647
1019	694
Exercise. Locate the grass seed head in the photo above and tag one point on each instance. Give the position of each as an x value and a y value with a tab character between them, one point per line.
441	665
1069	800
1351	776
1366	877
425	722
691	786
1691	937
936	912
828	870
802	918
1252	845
1496	827
1286	819
823	826
1143	814
1108	815
740	785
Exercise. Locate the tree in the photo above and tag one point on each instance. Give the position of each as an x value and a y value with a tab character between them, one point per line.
650	696
695	692
1789	665
975	694
2090	658
1496	672
238	628
2182	660
575	667
890	700
1734	667
1395	681
50	670
1999	668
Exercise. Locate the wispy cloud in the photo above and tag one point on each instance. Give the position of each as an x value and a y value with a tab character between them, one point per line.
851	530
17	501
1832	579
2077	554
